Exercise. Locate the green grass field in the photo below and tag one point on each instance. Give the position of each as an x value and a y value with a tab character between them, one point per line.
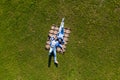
93	50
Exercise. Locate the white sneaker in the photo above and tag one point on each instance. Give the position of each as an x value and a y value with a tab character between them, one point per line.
56	62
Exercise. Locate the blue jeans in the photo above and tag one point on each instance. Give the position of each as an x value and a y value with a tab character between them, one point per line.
53	50
61	31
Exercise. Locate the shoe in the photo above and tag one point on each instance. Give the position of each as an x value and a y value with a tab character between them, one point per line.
56	62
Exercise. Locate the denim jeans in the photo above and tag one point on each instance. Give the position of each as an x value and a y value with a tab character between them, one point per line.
61	31
53	50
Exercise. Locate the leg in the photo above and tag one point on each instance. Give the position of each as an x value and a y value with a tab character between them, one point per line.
55	56
61	29
61	33
50	51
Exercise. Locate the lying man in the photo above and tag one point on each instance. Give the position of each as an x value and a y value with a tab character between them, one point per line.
53	45
60	34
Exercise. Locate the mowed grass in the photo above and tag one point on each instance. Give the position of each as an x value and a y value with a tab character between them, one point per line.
93	50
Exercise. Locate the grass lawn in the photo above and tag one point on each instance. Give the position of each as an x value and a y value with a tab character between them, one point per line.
93	50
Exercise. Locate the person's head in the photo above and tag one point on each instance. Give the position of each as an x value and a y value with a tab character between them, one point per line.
53	37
